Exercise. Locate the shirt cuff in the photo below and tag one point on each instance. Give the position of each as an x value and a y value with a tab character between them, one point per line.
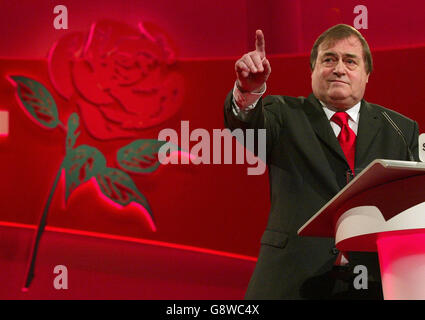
244	102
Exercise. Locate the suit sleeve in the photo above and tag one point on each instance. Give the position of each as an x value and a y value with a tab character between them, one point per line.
267	114
414	138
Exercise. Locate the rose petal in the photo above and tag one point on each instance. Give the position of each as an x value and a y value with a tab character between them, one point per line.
124	75
162	38
152	105
97	126
68	48
115	114
87	83
104	35
172	94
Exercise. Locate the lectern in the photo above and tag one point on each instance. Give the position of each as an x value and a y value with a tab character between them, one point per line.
381	210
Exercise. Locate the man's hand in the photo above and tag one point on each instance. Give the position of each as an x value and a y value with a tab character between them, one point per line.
253	69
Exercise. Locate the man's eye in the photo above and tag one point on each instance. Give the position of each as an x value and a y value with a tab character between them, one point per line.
328	60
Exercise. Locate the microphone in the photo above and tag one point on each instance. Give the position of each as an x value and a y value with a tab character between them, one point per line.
422	147
396	128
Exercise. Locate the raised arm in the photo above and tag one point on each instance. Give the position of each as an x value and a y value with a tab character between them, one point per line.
253	68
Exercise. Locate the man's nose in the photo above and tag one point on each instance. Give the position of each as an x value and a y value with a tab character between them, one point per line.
339	69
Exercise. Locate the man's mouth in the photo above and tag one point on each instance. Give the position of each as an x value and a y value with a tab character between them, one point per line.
338	81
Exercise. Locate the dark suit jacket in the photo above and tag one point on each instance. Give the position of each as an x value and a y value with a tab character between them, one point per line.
306	169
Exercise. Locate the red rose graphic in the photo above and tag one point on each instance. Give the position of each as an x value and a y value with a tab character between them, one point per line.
122	79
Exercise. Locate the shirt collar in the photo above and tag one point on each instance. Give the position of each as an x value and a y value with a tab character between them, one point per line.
353	112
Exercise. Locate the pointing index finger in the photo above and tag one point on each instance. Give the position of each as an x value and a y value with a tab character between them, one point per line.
259	43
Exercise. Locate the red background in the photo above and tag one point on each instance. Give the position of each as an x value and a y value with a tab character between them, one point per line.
204	28
216	207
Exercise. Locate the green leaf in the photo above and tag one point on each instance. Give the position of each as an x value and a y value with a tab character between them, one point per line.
81	164
71	136
140	156
120	188
37	100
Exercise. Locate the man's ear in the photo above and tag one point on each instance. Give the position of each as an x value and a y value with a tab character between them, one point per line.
367	77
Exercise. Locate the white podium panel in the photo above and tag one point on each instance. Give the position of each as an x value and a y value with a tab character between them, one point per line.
383	210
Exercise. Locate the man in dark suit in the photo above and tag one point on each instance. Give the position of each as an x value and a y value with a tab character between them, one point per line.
312	143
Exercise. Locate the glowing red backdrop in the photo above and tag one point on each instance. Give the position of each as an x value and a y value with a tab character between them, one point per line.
126	82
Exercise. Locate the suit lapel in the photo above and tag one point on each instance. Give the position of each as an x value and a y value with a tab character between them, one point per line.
370	123
321	126
326	137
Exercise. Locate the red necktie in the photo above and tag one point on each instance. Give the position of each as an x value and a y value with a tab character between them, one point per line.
346	138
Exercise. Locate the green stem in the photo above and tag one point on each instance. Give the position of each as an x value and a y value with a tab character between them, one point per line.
40	229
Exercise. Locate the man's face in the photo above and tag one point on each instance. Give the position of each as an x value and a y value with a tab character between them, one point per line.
339	77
